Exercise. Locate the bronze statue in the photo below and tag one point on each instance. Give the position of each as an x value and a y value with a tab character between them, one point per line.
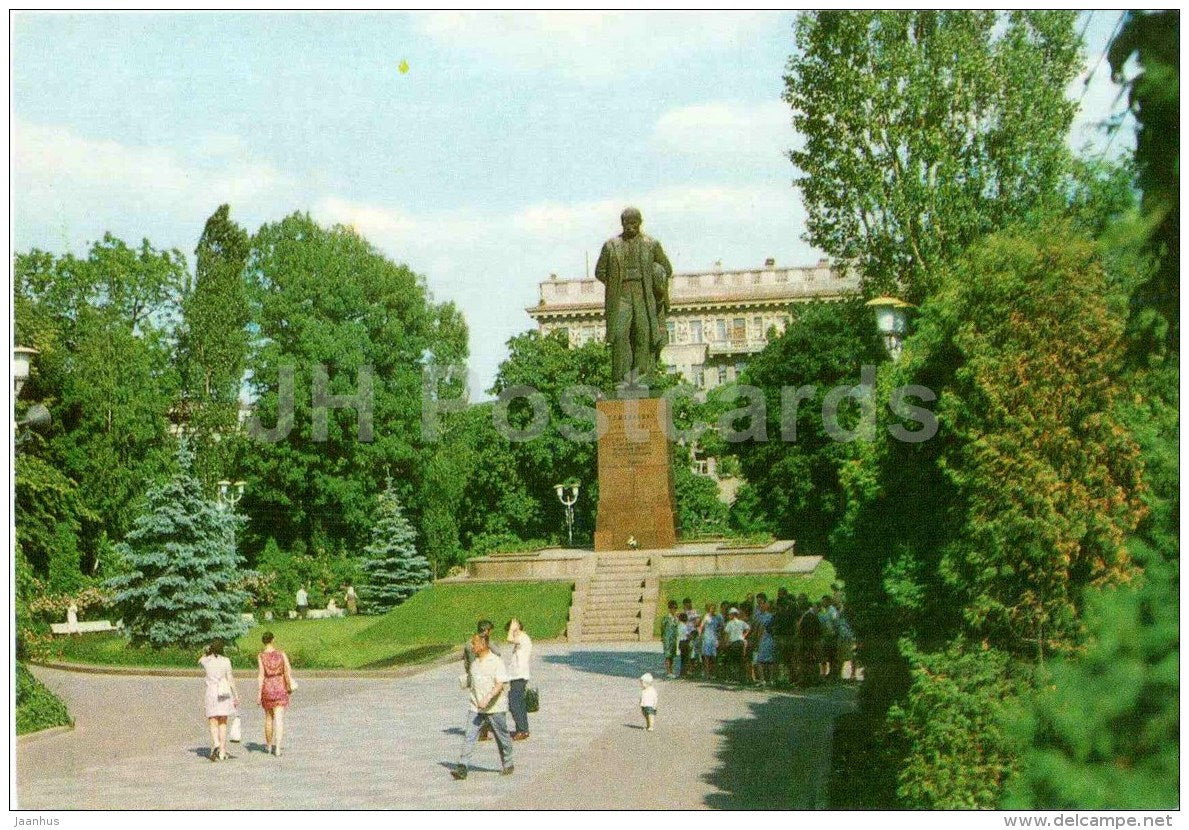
636	272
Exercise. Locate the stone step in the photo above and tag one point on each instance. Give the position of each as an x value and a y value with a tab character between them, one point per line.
610	638
627	583
617	565
624	585
620	559
609	602
609	630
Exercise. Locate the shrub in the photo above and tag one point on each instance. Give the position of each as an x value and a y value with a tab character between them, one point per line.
37	707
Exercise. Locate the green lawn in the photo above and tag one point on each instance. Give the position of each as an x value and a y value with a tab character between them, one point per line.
703	589
429	624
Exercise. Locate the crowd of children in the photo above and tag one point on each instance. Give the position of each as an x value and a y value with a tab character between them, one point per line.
761	641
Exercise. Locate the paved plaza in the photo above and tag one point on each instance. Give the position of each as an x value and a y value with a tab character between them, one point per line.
141	742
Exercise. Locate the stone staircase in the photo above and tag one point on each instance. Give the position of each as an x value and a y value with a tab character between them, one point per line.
617	602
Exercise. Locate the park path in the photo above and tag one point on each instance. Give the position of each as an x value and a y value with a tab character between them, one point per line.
140	742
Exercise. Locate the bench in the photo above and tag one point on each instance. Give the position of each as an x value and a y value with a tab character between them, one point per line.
90	627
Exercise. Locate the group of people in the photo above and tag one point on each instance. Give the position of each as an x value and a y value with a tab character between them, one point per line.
274	685
760	640
496	684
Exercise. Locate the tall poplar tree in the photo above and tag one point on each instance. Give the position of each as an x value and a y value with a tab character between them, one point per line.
925	130
213	342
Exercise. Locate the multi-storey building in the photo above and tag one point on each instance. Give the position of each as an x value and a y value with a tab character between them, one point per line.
717	318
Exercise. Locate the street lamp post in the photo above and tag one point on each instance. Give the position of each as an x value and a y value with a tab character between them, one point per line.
230	492
567	494
22	358
891	320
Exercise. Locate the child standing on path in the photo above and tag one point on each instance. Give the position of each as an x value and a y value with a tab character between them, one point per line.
647	700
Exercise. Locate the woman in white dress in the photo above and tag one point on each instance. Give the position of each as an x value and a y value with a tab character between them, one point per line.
222	698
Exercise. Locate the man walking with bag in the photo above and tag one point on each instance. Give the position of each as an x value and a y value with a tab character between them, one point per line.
488	684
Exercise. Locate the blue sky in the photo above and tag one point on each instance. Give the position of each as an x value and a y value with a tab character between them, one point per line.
504	154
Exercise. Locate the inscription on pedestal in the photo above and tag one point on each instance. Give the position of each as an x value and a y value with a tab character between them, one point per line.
636	496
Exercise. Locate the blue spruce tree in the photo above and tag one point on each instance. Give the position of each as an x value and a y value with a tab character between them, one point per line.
393	569
183	571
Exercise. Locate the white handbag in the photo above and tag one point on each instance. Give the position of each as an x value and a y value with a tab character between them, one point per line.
235	731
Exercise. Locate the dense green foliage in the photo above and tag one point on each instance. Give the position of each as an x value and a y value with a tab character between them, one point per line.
1103	731
213	345
103	327
1153	39
181	583
392	568
825	346
333	313
37	707
952	721
925	130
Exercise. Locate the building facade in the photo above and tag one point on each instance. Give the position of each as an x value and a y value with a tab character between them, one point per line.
717	318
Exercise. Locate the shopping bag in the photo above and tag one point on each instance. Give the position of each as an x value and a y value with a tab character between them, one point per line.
235	731
532	699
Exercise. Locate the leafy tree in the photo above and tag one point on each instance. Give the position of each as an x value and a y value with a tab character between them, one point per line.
393	569
700	511
213	343
952	722
992	531
1103	730
925	130
103	325
180	588
1153	38
825	346
49	513
547	364
325	300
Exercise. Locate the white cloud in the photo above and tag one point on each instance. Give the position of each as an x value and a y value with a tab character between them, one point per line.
726	131
68	182
592	45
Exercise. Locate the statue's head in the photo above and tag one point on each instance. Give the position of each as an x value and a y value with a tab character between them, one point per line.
631	221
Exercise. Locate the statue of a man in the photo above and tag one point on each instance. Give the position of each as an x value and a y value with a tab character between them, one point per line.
636	272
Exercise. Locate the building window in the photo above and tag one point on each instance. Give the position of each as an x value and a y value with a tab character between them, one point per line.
758	325
739	367
565	332
755	278
720	330
695	331
739	330
671	330
699	377
722	375
718	279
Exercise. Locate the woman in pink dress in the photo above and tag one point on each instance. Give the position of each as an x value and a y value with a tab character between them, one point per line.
221	699
275	680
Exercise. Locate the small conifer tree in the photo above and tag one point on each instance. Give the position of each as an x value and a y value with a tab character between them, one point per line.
181	586
393	569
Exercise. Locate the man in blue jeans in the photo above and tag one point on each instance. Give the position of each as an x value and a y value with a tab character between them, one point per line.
488	683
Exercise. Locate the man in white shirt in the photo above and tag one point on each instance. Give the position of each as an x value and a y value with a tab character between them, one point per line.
488	684
303	602
518	671
736	631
